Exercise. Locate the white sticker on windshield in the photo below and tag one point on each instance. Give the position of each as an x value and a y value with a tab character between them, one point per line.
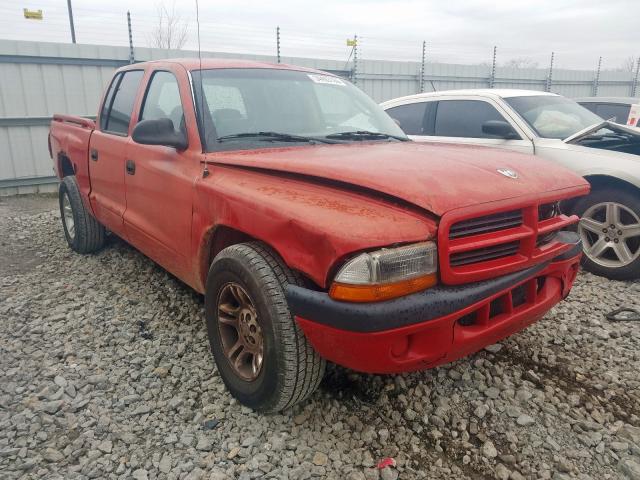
325	79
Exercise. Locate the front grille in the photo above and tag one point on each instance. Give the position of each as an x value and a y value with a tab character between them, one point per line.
484	254
481	247
486	224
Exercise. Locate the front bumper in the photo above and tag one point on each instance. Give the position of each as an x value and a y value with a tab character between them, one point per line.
436	326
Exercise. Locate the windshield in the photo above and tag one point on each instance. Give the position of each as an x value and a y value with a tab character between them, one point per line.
553	117
289	102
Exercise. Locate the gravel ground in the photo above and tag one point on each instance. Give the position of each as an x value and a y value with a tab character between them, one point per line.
105	372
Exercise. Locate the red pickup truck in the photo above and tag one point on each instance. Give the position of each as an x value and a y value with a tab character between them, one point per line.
315	230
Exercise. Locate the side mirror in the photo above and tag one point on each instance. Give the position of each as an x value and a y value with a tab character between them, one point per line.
500	129
159	132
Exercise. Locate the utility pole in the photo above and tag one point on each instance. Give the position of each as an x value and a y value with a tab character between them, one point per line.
278	43
596	81
424	54
355	59
73	29
550	76
634	86
131	57
492	80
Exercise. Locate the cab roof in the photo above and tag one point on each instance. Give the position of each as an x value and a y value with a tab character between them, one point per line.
194	63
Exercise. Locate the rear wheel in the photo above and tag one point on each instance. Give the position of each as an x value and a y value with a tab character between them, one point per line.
610	231
83	232
262	355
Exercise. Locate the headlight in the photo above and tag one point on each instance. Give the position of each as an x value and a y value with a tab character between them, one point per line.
387	273
548	210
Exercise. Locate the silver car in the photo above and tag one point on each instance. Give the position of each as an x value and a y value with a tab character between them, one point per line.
623	110
558	129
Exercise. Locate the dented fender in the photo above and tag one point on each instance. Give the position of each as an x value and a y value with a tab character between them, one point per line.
313	225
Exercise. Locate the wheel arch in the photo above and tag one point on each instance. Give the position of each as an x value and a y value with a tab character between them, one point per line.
599	182
65	167
221	236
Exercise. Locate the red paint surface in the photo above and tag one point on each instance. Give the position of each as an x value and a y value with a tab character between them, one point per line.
314	205
442	340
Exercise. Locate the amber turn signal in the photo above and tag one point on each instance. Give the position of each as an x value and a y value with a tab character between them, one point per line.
376	293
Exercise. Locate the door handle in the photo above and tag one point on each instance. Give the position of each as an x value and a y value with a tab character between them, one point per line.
94	154
131	167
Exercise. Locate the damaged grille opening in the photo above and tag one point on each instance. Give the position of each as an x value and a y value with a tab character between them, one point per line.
497	305
484	254
486	224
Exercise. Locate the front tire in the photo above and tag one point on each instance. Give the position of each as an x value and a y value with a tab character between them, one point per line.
610	231
262	355
83	232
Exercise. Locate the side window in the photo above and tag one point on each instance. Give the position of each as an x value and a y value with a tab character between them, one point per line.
162	100
410	117
619	113
119	115
107	101
464	118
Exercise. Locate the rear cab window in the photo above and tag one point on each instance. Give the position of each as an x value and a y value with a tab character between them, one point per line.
118	106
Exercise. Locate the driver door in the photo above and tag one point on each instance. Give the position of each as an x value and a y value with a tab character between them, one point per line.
159	181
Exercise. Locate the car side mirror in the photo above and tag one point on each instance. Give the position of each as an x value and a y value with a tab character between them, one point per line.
159	132
500	129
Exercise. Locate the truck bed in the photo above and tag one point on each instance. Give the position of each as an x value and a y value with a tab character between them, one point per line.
69	137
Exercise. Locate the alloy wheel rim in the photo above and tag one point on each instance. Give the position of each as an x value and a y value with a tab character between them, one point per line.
67	216
240	331
610	233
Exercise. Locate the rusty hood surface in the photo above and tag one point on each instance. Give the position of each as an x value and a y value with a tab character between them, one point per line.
435	177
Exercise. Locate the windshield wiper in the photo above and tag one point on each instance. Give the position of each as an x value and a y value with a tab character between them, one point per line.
364	135
271	136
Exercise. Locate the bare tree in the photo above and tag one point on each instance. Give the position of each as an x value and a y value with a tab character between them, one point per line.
628	65
171	31
520	62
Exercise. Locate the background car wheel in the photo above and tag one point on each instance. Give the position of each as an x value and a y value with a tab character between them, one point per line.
610	231
83	232
262	355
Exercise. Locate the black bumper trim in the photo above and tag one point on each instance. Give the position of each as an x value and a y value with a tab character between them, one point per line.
419	307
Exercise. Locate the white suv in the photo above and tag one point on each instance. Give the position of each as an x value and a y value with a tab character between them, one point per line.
558	129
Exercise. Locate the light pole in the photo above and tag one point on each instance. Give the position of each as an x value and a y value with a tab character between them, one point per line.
73	29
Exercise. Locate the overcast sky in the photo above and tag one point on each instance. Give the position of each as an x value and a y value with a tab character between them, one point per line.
456	31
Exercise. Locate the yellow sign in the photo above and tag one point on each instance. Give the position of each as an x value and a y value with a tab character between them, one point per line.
352	42
32	14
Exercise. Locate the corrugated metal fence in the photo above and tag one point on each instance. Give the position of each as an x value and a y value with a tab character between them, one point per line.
39	79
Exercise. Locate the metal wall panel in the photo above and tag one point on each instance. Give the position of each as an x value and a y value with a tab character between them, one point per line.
39	79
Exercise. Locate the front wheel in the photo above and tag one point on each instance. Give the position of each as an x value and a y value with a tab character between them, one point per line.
610	231
262	355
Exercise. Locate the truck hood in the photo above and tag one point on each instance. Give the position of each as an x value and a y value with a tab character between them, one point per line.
435	177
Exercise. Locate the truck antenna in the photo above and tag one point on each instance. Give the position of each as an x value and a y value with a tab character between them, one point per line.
205	171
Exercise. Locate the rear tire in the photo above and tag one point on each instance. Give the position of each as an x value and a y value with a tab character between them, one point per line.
610	232
245	302
83	232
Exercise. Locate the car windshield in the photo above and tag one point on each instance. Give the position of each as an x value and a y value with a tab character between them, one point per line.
553	117
255	106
